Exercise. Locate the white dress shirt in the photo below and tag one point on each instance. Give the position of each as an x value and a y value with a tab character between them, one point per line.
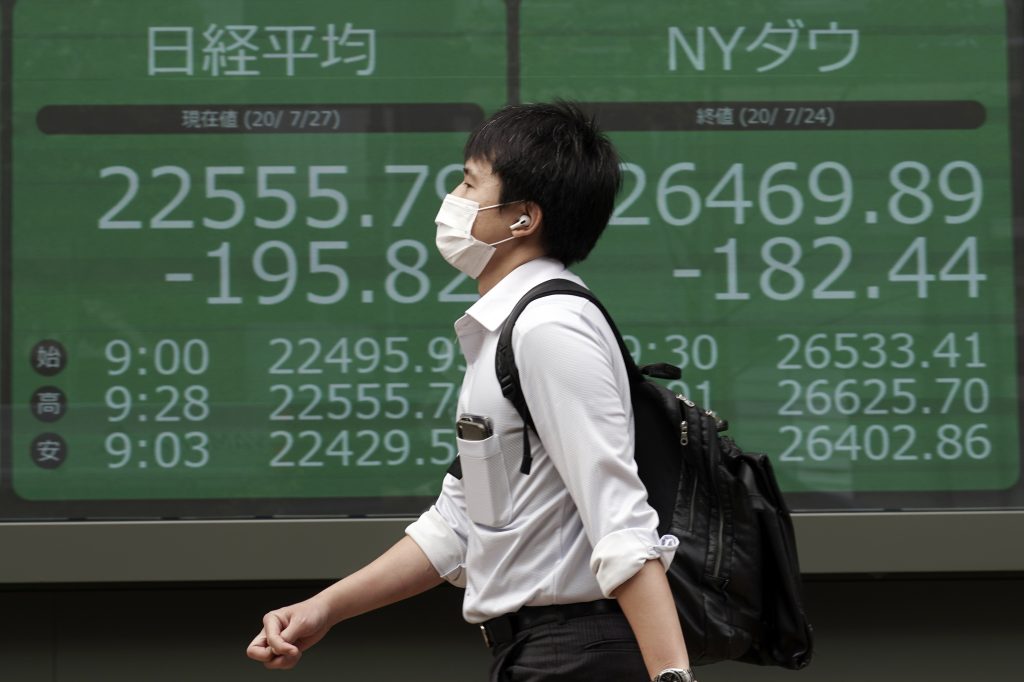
578	525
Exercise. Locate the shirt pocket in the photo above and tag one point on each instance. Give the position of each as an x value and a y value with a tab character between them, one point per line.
485	481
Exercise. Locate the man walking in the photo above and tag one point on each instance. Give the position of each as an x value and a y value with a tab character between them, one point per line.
562	566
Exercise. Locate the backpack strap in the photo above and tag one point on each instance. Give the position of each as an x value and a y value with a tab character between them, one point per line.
505	361
508	373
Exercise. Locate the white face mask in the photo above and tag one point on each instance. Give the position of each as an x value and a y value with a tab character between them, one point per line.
455	240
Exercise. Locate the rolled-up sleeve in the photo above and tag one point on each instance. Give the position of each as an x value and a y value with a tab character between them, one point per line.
575	382
620	555
441	532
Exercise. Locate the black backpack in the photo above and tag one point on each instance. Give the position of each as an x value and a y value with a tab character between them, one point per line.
735	576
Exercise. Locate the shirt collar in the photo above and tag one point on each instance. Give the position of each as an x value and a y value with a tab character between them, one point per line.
493	307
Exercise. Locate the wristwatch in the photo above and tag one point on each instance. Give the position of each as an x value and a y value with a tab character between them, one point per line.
675	675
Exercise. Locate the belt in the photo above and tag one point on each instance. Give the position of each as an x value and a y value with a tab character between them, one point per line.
505	628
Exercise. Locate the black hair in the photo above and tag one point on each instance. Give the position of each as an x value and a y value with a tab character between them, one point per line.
555	156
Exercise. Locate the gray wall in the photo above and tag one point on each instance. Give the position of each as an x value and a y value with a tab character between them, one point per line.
886	628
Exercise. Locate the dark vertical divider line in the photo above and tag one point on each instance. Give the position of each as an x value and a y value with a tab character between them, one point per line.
512	8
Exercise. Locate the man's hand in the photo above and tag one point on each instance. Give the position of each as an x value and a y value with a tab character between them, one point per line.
401	572
287	632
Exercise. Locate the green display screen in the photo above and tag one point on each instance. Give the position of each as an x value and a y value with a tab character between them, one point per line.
221	295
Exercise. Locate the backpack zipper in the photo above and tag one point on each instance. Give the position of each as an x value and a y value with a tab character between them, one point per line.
721	539
684	439
693	504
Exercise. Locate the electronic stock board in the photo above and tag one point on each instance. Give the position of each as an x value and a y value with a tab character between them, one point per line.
221	297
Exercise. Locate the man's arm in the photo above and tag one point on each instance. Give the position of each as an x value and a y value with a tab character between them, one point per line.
401	572
647	602
578	393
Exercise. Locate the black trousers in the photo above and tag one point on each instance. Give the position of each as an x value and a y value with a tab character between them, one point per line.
583	649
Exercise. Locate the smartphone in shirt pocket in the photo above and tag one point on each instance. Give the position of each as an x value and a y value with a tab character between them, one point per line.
484	476
474	427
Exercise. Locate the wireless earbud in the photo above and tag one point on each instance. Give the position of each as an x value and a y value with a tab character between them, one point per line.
524	221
